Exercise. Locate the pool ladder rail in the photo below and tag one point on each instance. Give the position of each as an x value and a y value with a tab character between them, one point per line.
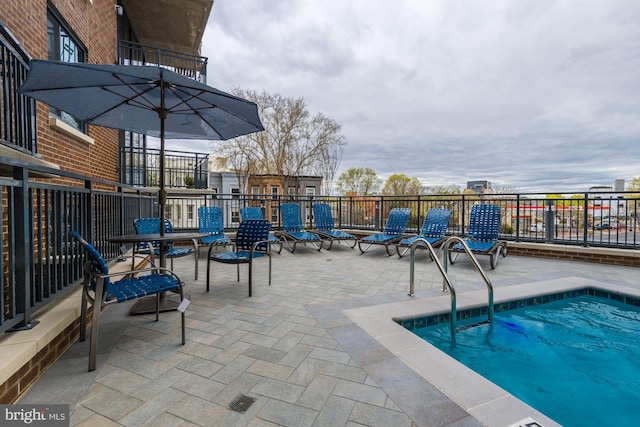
446	282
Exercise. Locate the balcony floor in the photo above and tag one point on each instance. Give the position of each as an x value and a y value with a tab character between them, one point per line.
304	348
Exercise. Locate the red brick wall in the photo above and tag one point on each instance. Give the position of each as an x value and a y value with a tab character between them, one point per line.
95	25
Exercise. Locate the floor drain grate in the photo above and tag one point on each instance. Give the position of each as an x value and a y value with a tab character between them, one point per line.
241	403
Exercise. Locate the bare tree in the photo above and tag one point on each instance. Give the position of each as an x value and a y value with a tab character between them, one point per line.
292	144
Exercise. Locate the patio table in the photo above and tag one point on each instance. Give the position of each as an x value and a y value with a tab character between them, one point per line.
148	305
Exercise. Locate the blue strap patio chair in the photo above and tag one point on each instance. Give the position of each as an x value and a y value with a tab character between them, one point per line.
393	232
293	231
152	226
255	212
326	229
210	220
434	229
100	290
482	235
251	242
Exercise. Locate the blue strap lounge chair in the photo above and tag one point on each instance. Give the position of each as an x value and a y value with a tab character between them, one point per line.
482	235
210	220
292	230
152	226
100	290
434	229
326	228
251	242
393	232
255	212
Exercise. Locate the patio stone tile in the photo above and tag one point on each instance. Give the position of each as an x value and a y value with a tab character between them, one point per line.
198	411
373	416
310	330
324	342
198	386
270	370
233	369
229	338
288	341
97	420
296	355
78	415
110	403
360	393
123	381
168	420
198	350
230	351
317	392
276	389
287	414
304	374
335	412
202	337
336	356
264	353
152	407
199	366
158	385
259	339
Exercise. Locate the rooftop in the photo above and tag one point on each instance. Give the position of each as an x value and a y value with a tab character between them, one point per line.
313	349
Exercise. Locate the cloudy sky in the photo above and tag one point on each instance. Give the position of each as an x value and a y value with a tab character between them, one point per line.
532	95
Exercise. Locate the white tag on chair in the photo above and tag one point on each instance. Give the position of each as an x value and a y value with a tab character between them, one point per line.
183	305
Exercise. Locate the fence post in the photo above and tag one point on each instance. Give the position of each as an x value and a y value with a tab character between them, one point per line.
549	221
23	249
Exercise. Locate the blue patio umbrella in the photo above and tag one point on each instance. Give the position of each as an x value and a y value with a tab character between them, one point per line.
150	100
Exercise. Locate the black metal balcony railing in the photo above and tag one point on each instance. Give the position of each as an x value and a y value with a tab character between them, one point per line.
141	167
192	66
41	261
17	112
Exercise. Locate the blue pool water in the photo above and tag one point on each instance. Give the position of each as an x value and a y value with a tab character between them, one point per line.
577	360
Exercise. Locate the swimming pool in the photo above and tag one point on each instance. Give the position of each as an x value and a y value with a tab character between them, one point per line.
574	359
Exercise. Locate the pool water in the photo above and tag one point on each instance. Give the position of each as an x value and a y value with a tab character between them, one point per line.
576	360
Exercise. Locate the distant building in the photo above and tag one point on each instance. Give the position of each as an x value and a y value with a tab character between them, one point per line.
607	201
479	186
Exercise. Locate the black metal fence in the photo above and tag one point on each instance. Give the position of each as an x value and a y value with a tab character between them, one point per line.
40	261
586	219
17	112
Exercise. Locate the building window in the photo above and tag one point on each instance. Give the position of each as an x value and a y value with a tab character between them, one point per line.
190	210
274	192
65	46
291	191
275	213
310	191
255	191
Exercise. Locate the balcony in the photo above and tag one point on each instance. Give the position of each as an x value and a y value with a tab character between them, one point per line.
140	167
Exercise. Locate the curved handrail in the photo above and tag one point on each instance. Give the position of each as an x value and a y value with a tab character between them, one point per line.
475	262
445	277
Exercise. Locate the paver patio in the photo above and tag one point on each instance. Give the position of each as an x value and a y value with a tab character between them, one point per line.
290	346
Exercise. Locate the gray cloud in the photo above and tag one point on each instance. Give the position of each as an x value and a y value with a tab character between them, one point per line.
536	95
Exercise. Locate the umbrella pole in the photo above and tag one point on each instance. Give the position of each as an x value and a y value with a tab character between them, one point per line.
162	194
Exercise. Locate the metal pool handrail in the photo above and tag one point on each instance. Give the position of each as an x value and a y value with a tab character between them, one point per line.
445	277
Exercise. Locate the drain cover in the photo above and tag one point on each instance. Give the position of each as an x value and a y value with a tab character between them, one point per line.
241	403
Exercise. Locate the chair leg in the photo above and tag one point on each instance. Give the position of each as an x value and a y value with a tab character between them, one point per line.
250	275
157	307
95	321
182	314
209	266
83	315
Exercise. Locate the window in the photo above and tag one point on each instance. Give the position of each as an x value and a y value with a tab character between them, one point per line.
274	192
235	193
255	191
63	45
291	191
275	213
190	210
310	191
